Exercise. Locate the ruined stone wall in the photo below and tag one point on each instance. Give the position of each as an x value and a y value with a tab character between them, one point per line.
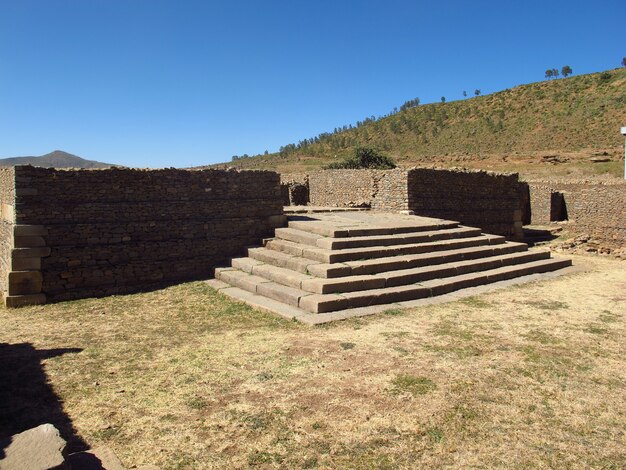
596	208
294	189
118	231
491	201
383	190
390	190
341	188
7	219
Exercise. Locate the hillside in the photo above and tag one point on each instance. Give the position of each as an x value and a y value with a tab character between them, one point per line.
558	123
56	159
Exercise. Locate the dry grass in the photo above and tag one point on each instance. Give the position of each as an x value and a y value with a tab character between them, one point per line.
531	377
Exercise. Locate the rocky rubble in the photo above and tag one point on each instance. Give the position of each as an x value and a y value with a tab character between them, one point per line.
585	244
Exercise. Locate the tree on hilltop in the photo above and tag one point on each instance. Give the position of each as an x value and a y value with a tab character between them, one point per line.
410	104
477	92
624	62
364	157
555	73
566	71
443	99
464	94
549	74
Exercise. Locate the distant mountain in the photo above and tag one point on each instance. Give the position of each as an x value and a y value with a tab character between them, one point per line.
56	159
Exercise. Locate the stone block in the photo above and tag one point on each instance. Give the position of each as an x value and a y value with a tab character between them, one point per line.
40	448
385	296
284	294
30	252
283	276
26	264
284	246
327	270
29	242
24	282
15	301
297	236
317	254
240	279
244	264
342	284
25	192
316	303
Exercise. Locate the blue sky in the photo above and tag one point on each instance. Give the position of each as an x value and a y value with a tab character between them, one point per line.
156	83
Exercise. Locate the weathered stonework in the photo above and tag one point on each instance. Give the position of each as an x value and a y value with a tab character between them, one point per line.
86	233
597	208
294	189
378	189
492	201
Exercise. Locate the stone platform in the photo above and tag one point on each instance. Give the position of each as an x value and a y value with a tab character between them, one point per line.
329	266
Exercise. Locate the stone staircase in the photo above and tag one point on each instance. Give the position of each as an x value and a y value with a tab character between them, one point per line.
323	267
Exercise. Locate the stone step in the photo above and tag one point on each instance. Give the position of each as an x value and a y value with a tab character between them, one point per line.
260	285
298	236
310	284
323	303
281	260
444	286
425	273
337	231
238	278
354	254
397	239
318	285
393	263
283	276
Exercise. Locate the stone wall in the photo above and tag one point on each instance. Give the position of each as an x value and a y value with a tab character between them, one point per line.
390	191
294	189
383	190
495	202
7	221
491	201
118	231
596	208
342	188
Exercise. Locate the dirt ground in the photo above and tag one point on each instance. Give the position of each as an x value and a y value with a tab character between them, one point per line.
529	377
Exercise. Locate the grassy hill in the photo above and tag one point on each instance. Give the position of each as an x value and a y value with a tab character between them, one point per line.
560	123
56	159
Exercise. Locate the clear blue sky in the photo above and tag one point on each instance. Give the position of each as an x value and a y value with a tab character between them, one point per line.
155	83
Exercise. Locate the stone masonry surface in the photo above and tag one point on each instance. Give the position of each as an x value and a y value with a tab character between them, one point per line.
489	200
597	208
7	200
379	189
492	201
120	230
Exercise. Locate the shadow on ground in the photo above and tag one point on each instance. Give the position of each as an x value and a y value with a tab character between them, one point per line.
26	396
535	235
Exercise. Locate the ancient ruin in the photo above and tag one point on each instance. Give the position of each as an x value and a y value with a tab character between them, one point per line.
330	266
69	234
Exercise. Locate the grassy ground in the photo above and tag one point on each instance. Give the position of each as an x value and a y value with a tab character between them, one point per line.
530	377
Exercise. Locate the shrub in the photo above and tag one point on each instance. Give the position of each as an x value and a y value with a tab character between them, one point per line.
364	157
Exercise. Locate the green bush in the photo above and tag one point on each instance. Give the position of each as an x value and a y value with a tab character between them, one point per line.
364	157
